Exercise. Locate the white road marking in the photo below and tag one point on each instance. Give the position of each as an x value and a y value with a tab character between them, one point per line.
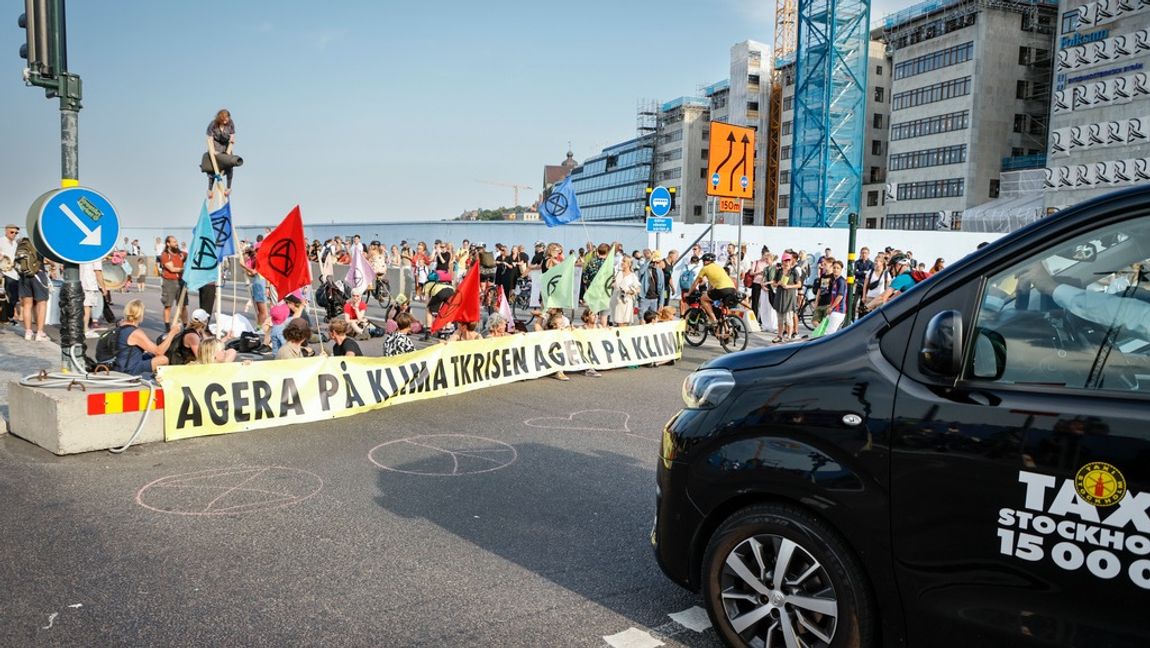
52	619
694	618
632	638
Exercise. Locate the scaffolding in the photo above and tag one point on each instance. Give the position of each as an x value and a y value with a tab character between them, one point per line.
784	51
830	111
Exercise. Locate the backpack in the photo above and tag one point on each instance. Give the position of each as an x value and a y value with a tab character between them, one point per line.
486	259
108	346
686	279
27	261
177	353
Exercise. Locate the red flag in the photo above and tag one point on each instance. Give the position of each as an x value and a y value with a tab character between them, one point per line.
282	257
463	306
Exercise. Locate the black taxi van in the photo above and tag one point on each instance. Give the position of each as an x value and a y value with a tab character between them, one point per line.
968	466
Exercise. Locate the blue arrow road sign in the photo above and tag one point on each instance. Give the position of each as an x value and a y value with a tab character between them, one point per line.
744	181
660	201
715	179
661	225
78	225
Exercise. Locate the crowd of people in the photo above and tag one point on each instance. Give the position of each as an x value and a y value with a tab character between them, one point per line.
645	286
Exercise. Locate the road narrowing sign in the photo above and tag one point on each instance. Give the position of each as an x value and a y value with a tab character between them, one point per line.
731	161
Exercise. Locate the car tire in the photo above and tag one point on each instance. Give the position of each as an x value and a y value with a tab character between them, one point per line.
829	591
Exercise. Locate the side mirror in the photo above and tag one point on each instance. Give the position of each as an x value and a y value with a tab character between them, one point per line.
941	353
989	355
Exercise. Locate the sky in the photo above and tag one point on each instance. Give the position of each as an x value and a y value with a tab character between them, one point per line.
356	111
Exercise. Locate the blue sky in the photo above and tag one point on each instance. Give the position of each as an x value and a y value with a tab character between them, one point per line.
357	111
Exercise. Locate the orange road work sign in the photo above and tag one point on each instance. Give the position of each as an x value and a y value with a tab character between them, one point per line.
731	161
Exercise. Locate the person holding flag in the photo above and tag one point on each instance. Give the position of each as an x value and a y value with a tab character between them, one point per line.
557	288
203	262
360	273
462	305
560	206
282	257
597	297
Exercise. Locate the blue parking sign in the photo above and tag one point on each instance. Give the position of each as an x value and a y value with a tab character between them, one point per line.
75	225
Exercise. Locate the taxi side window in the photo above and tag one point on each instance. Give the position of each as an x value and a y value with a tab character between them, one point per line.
1075	315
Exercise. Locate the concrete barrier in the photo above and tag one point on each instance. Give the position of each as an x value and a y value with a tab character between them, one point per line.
71	421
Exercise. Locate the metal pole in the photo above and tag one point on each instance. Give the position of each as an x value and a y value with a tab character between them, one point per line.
714	205
71	294
853	222
739	246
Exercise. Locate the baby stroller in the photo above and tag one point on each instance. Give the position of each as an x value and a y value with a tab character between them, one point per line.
332	296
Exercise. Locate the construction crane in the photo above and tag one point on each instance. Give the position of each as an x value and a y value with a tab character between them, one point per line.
516	187
784	52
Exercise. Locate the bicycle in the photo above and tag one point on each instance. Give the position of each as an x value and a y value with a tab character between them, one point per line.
806	310
728	328
382	291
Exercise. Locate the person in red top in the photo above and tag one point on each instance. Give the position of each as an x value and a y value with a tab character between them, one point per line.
355	312
172	271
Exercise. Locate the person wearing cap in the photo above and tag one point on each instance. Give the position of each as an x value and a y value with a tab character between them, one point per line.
186	344
11	277
297	334
902	274
355	312
786	285
652	284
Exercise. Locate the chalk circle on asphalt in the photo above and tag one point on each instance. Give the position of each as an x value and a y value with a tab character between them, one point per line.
591	420
443	455
229	491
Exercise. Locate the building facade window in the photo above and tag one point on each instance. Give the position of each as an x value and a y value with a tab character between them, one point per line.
876	147
948	188
785	153
872	199
927	158
1070	21
784	177
788	103
934	61
671	174
787	127
994	188
698	211
913	221
876	121
931	125
879	94
784	201
931	94
878	70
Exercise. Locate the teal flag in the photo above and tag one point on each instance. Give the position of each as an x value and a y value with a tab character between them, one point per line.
203	261
598	295
558	290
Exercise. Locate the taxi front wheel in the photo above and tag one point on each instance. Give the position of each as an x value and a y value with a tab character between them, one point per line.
775	575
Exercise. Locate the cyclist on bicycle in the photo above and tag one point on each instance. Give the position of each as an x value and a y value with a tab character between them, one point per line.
720	285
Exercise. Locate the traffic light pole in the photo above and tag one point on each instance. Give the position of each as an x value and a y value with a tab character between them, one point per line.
47	54
852	302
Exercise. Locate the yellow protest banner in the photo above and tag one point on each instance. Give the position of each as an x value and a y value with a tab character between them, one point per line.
223	398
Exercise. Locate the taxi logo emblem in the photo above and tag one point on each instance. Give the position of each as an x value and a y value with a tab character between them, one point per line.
1100	484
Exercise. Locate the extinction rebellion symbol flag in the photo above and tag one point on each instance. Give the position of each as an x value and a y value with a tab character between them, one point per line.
203	255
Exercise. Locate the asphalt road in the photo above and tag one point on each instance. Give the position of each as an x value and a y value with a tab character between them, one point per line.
513	516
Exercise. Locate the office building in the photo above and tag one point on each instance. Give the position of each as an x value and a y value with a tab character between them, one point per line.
612	186
968	100
747	101
681	155
1100	108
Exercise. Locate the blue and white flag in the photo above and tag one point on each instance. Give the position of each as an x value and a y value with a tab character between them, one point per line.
203	256
225	234
560	207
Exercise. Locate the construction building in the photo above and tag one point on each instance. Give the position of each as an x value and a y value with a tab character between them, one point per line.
612	185
747	100
1100	107
968	101
681	155
871	198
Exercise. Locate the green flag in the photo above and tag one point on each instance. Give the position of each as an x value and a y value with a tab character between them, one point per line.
598	295
558	289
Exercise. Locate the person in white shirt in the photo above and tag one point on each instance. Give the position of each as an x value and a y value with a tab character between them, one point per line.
11	278
1102	308
92	281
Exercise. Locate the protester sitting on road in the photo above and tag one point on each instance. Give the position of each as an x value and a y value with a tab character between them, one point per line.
212	351
342	345
496	326
355	312
465	332
297	334
399	342
136	354
184	347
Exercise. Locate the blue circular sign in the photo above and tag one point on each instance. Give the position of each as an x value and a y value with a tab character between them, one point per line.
715	179
77	225
744	181
660	201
